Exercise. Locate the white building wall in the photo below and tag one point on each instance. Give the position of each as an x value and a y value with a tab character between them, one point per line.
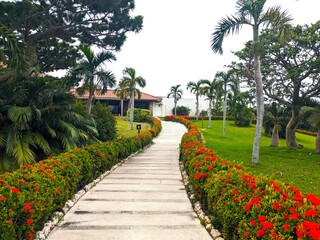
165	107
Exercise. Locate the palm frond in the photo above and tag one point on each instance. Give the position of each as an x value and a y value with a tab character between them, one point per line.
225	27
102	57
41	143
20	115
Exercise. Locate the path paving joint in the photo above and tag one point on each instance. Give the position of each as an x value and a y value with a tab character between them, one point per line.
144	198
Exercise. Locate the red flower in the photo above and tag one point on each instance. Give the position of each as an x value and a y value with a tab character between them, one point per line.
262	218
210	167
276	206
29	221
9	221
30	235
246	234
286	226
2	181
294	216
27	207
260	233
253	222
311	213
15	190
314	199
3	199
266	225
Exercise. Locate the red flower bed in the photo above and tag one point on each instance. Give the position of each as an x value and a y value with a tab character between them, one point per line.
243	206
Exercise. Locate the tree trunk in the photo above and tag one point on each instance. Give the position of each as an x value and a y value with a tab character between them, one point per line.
132	109
224	125
275	137
291	129
197	107
209	123
89	103
318	142
175	107
121	105
260	110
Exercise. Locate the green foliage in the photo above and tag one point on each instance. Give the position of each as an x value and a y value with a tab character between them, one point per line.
52	27
243	114
140	115
182	111
30	195
105	122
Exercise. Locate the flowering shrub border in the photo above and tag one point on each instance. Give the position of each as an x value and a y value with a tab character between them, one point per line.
30	195
306	132
171	117
243	206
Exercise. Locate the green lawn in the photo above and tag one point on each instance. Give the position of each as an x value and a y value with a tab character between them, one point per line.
124	127
299	167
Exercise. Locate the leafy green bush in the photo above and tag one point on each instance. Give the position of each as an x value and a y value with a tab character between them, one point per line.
243	206
106	123
140	115
182	111
30	195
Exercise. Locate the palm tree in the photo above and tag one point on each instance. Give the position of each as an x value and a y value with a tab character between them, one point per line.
122	93
91	70
314	120
209	89
252	13
130	82
226	80
195	87
175	92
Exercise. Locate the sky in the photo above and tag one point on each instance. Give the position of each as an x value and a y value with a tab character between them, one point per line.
174	44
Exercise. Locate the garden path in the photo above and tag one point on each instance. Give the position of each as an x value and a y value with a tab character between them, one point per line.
144	198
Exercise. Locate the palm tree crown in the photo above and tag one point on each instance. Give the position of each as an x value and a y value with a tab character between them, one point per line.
130	82
175	92
195	88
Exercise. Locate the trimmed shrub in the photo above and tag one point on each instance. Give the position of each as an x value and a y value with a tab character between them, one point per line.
106	123
140	115
182	111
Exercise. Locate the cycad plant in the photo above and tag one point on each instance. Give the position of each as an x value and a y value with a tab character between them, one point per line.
38	118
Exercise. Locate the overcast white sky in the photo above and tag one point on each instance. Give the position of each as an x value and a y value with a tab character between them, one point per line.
174	44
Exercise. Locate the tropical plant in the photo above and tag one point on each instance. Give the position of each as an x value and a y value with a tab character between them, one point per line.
176	93
243	114
182	110
209	89
130	82
91	71
252	13
195	87
39	118
122	93
275	120
227	80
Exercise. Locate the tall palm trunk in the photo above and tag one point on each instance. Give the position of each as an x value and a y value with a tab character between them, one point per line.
275	137
224	127
210	103
89	103
318	142
291	128
132	109
260	109
121	106
197	107
175	107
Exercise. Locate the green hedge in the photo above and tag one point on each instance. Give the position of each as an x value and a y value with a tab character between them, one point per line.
30	195
140	115
243	206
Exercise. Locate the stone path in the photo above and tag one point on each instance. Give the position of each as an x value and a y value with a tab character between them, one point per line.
142	199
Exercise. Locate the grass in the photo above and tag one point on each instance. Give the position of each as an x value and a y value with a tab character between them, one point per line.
299	167
124	127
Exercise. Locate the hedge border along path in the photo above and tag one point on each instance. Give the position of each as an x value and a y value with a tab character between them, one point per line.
58	216
243	206
30	195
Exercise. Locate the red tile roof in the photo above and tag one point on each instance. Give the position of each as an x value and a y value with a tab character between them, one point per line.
109	95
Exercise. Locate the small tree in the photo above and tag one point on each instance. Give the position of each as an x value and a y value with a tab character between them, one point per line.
176	93
182	111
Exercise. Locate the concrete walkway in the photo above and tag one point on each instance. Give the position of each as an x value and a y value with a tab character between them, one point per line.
142	199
